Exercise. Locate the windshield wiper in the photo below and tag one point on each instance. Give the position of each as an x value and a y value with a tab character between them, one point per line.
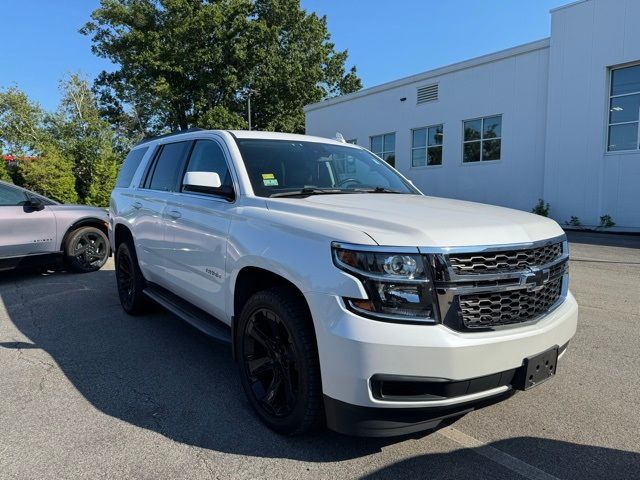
377	190
312	191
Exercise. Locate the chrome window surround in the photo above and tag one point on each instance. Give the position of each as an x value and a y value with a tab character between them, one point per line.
451	285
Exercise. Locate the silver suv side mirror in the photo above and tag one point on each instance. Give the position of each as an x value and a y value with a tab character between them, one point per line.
201	180
207	182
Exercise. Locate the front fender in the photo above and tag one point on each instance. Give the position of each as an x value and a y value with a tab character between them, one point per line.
297	249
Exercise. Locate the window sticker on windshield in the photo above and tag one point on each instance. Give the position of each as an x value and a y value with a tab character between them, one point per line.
269	180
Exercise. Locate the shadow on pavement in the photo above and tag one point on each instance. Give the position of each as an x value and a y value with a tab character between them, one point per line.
153	371
157	373
604	239
557	459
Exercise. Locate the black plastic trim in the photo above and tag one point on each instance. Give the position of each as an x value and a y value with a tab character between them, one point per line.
31	260
359	421
410	389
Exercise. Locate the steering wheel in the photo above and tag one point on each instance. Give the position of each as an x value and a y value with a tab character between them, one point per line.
347	180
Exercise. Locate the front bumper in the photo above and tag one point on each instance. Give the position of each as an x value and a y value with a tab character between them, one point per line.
353	350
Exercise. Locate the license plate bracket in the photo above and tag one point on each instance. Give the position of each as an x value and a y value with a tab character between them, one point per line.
536	369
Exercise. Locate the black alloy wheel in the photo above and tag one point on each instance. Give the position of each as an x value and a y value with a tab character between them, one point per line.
130	281
270	363
87	250
278	359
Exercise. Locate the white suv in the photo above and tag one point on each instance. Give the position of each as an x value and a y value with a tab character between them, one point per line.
349	298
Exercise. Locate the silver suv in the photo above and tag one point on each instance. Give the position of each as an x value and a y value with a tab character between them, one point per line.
35	230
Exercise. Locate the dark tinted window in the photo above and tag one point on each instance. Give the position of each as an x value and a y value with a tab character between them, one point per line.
207	156
11	196
130	166
167	166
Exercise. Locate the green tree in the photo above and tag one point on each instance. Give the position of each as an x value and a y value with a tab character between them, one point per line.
293	63
22	123
25	135
4	173
184	63
87	139
49	173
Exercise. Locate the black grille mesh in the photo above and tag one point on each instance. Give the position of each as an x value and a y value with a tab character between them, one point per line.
501	262
485	310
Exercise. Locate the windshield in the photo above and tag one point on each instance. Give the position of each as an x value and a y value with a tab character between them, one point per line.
289	168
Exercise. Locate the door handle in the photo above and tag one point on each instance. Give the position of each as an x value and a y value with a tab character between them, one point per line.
136	205
175	214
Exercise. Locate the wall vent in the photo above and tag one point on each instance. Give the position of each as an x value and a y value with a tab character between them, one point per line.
428	93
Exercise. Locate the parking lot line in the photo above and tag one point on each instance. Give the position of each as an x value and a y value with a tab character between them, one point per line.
495	455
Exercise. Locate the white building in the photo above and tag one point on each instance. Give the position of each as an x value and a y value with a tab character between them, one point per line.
556	119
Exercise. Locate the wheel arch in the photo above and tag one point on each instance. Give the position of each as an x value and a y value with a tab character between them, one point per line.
84	222
252	279
121	233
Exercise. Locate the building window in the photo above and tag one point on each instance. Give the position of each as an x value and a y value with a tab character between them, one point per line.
385	147
426	146
482	139
353	141
624	109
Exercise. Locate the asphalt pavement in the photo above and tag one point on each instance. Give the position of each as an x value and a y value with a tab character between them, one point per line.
88	392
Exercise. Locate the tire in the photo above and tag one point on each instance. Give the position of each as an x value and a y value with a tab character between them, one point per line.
278	361
130	281
86	250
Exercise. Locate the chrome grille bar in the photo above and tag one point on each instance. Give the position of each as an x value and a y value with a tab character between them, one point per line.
514	284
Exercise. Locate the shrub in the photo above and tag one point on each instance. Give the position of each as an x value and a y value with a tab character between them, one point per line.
541	208
574	221
606	221
49	174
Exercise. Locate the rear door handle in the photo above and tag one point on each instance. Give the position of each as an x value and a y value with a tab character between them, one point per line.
175	214
136	205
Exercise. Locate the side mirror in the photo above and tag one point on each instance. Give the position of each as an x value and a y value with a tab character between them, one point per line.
206	182
33	205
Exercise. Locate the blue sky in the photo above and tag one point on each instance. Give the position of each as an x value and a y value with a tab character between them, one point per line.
386	39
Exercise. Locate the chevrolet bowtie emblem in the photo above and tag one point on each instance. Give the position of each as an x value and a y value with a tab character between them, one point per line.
535	279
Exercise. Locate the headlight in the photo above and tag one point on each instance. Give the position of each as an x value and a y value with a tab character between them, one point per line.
399	285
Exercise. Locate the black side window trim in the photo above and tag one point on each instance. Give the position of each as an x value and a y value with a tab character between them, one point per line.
146	178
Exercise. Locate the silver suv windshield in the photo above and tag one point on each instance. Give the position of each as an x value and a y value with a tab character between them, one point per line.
281	168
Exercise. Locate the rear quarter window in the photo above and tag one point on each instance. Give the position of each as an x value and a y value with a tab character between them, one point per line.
129	167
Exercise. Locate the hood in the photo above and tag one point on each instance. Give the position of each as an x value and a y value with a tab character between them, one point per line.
417	220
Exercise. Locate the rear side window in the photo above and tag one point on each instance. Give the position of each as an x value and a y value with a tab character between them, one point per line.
129	167
167	166
207	156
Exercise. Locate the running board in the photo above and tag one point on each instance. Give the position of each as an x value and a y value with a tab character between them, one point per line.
207	324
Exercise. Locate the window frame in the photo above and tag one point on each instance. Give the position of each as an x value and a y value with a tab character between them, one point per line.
383	152
481	140
426	147
185	166
609	124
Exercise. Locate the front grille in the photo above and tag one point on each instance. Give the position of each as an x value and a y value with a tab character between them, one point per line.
486	310
504	261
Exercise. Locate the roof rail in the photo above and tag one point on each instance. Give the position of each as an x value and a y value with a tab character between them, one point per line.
177	132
